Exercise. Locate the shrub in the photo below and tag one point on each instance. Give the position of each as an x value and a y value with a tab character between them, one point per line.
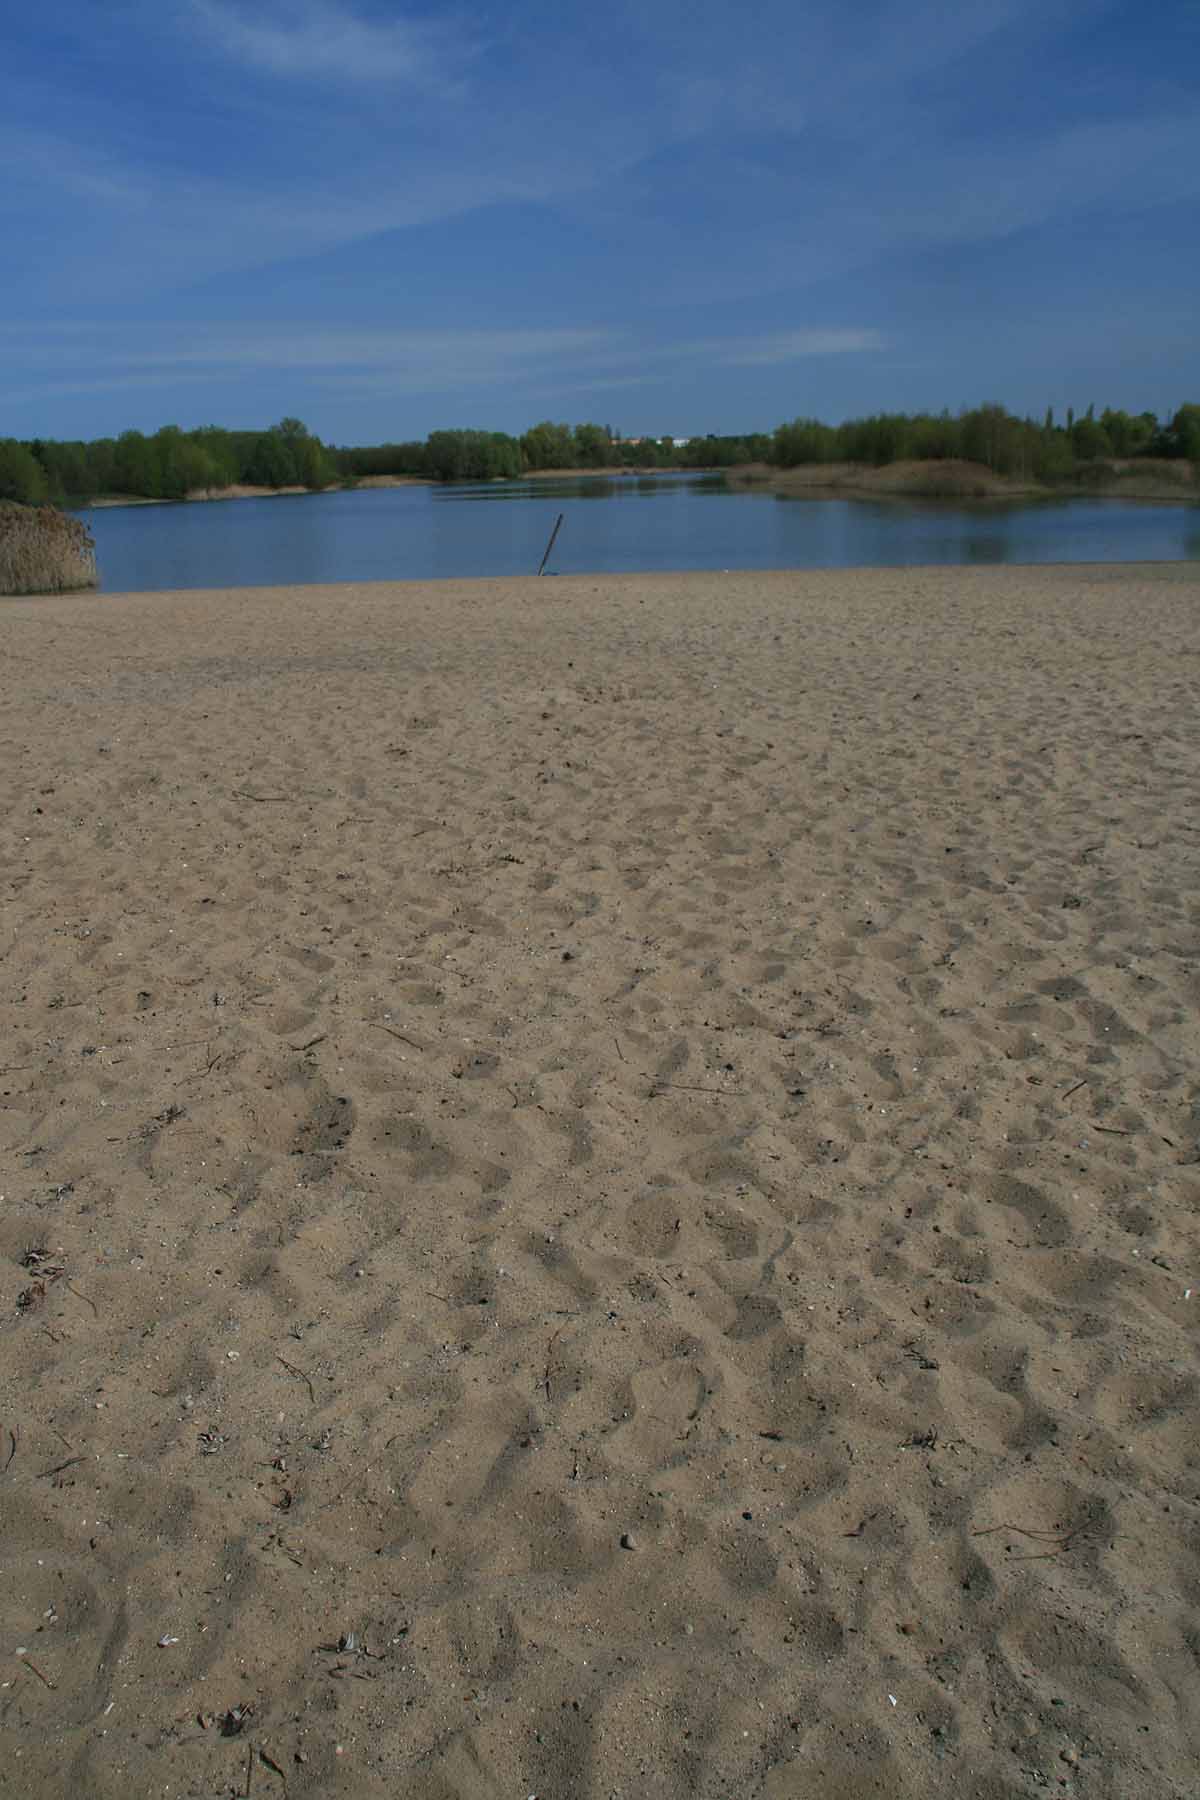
43	551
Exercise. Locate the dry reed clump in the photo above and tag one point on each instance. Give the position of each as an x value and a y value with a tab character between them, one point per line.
42	551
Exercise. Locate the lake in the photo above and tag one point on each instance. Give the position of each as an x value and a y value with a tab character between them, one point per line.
625	523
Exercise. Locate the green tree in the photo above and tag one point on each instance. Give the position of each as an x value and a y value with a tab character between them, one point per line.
271	463
548	446
22	476
804	441
135	467
1089	440
1185	432
592	447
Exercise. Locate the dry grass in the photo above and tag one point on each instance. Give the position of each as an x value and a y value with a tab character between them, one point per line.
1143	478
931	480
42	551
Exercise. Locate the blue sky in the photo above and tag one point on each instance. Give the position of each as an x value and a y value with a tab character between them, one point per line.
686	217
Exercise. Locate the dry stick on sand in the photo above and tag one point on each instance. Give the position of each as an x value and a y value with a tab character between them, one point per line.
412	1042
269	1762
300	1376
30	1664
684	1087
1061	1540
80	1296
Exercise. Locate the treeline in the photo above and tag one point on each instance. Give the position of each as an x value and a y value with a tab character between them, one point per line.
1033	450
172	463
166	466
491	455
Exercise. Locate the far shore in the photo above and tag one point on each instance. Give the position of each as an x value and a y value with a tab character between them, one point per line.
957	480
932	480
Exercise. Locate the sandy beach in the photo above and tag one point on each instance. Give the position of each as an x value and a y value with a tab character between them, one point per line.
600	1188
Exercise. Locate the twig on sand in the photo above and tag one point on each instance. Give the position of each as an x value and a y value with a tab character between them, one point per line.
70	1285
684	1087
412	1042
261	799
12	1449
312	1042
300	1376
270	1763
30	1664
60	1469
1062	1541
1067	1092
1111	1130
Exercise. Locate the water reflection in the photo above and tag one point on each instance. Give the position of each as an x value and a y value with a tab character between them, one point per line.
683	522
581	487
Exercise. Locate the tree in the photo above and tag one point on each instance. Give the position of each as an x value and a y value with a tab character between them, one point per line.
271	462
1089	440
593	449
22	476
1185	432
135	467
548	446
472	455
804	441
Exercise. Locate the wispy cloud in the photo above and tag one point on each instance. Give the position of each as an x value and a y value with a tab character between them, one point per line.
754	203
790	346
46	160
316	40
400	362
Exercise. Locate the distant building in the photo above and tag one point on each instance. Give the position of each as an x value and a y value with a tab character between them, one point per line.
674	443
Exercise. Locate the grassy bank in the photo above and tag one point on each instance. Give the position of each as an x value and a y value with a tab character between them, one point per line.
952	479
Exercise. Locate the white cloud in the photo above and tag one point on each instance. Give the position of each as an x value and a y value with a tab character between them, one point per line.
48	161
400	362
790	346
314	39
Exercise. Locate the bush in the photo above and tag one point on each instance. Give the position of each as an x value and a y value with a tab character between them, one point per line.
21	474
43	551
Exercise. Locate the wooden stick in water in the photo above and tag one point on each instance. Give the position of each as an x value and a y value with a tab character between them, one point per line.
550	545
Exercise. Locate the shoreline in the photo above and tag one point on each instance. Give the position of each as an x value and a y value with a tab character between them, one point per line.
949	480
932	480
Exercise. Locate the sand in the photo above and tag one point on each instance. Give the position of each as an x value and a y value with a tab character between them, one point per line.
600	1188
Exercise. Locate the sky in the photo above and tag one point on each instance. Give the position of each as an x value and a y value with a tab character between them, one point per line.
677	217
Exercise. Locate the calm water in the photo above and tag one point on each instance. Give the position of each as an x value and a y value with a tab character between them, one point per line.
672	522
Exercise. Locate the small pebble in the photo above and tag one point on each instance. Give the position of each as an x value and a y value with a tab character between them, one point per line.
628	1541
